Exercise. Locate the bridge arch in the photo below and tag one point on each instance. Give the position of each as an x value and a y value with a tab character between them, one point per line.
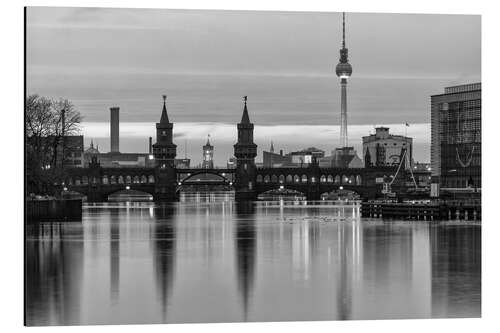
282	191
259	178
289	179
133	194
205	172
304	178
274	179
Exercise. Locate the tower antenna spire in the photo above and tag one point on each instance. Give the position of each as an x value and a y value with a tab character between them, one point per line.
343	30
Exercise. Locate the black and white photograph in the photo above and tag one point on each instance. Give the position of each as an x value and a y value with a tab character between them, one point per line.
224	166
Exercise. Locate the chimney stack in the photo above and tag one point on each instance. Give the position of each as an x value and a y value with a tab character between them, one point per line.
281	152
150	145
115	129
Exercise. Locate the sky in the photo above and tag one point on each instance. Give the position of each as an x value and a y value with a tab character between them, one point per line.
205	61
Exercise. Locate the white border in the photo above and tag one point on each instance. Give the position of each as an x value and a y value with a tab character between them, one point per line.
11	19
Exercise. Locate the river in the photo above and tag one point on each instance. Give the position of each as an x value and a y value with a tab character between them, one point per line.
221	261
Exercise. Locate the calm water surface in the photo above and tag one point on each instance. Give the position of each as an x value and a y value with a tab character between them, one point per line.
224	262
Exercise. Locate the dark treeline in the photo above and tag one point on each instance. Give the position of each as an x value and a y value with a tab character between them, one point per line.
47	122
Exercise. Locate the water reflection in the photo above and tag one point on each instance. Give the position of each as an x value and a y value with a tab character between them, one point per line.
456	267
114	254
164	236
53	275
218	261
245	239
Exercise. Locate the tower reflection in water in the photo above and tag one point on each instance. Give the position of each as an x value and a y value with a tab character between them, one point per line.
164	243
221	261
245	243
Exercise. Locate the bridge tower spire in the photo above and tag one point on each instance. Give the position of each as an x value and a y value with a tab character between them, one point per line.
245	151
164	152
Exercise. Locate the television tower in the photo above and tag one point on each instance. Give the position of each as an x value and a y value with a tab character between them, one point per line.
344	71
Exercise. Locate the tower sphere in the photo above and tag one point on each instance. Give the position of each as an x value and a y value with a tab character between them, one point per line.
343	69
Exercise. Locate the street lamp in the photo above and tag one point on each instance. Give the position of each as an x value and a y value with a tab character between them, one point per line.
127	187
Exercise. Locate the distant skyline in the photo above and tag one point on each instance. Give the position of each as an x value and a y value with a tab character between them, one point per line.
284	61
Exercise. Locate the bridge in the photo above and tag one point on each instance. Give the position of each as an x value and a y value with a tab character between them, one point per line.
164	180
97	183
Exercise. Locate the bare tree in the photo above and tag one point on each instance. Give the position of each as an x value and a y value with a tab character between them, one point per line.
45	144
65	121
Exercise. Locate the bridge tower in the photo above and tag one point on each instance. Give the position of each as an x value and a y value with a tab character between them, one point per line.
164	152
245	151
313	189
94	193
208	155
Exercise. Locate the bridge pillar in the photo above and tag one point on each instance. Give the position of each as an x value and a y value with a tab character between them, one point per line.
165	185
313	195
94	192
313	189
95	195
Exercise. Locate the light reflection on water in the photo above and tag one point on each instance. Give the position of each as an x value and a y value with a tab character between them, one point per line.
224	262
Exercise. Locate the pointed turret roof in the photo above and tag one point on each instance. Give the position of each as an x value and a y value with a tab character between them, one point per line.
272	147
208	140
164	115
244	118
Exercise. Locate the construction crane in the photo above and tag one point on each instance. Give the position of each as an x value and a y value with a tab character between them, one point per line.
386	186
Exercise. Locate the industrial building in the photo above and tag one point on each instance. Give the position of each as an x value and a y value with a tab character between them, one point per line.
385	149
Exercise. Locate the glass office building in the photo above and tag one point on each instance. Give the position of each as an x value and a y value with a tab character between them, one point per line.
456	137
